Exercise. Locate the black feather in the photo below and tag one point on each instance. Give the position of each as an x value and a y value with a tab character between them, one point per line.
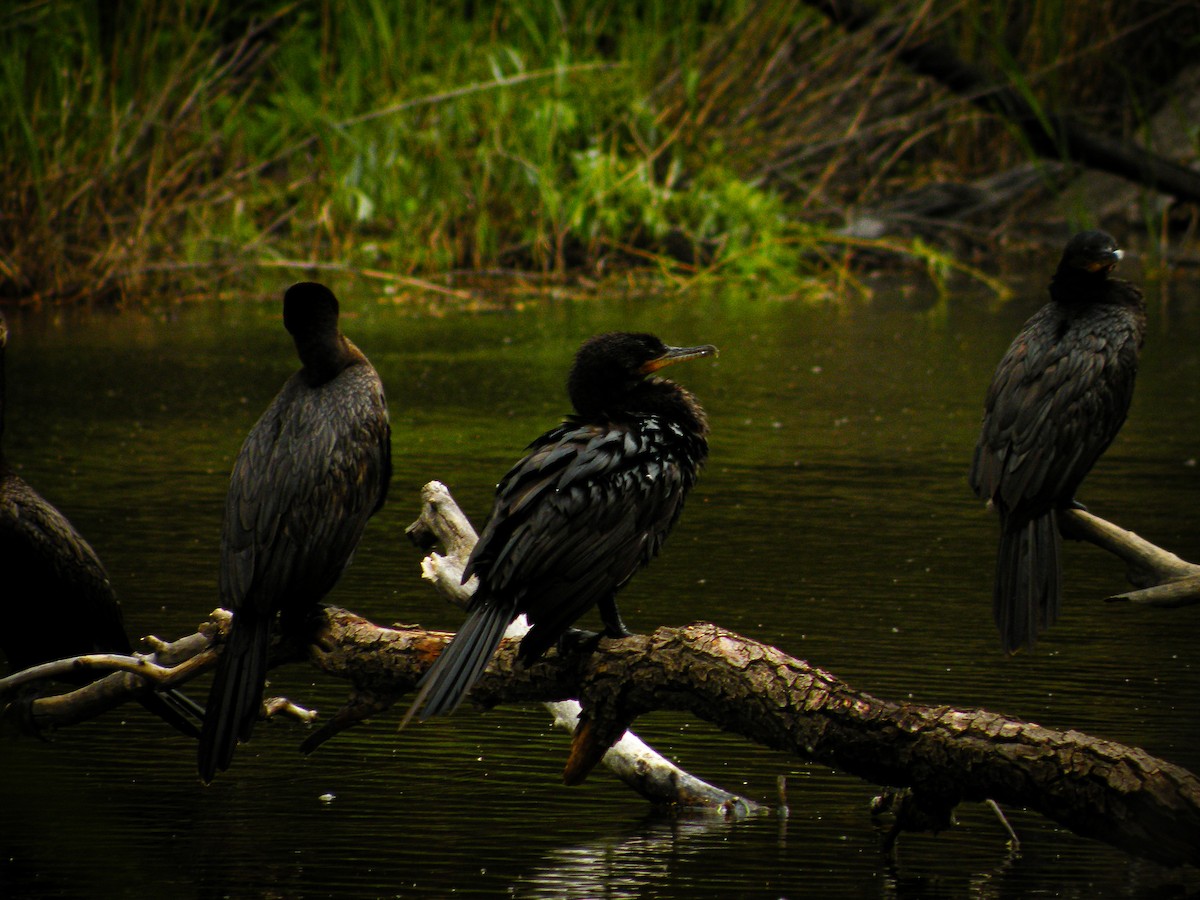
1058	398
312	471
589	504
57	601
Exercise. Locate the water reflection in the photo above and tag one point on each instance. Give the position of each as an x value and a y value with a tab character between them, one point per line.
620	868
833	519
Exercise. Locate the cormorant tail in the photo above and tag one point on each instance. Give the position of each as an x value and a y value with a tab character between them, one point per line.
236	696
1028	587
462	662
177	709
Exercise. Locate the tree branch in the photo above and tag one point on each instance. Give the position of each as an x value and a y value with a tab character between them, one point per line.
1097	788
23	698
940	756
1050	134
629	758
1164	579
634	762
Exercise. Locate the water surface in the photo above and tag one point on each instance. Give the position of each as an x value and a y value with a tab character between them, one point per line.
833	520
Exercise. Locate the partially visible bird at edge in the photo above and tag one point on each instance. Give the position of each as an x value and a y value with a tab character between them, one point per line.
56	601
1058	398
590	503
311	472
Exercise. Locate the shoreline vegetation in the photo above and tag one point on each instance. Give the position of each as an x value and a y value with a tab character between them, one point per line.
156	148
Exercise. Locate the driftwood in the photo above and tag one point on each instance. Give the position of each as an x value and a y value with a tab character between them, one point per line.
1050	134
1162	577
942	756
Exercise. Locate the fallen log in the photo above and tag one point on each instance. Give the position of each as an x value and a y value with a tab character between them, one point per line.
1100	789
941	755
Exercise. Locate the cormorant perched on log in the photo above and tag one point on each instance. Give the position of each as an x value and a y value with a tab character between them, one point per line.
590	504
56	601
311	472
1057	400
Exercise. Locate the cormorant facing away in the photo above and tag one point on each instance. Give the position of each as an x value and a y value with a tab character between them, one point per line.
57	601
311	472
590	503
1057	400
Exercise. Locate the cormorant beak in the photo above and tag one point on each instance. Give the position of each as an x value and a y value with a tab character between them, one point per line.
677	354
1104	261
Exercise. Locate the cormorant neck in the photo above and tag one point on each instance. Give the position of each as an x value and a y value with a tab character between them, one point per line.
325	355
646	397
595	397
1072	284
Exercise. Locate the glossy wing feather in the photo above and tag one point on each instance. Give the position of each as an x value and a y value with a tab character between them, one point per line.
586	507
301	492
309	475
1053	408
57	601
577	517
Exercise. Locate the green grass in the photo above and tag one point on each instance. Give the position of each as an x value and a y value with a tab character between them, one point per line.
181	148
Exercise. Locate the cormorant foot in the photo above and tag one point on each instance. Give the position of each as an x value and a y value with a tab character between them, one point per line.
1073	504
617	631
578	640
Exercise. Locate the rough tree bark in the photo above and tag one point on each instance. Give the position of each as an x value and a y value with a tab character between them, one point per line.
1100	789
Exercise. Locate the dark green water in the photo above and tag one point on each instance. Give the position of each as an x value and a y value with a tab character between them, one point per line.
834	520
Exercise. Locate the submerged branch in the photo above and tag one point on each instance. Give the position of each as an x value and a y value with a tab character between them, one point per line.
1100	789
941	766
634	762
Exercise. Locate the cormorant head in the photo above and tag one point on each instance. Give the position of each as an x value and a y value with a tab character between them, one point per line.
1091	251
609	367
309	310
310	313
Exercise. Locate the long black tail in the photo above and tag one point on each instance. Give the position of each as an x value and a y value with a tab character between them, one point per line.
1028	590
177	709
462	662
236	696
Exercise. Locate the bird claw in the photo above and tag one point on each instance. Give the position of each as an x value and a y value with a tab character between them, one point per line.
578	640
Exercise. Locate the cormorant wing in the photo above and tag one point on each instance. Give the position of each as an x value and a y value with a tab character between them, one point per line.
58	600
1053	408
576	518
296	508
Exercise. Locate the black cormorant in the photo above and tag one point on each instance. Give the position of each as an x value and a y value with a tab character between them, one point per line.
590	503
311	472
56	601
1057	400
